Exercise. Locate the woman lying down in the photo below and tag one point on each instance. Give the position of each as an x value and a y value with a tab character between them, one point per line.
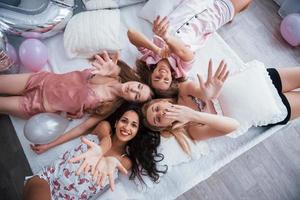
82	172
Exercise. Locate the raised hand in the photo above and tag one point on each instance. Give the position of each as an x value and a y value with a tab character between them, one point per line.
105	168
40	148
160	27
91	157
211	88
180	114
104	65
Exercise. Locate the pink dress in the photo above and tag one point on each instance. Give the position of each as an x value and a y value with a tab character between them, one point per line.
193	21
69	92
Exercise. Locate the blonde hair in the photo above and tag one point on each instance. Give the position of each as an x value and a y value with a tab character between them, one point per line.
179	133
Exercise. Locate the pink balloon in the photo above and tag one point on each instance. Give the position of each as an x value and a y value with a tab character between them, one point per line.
33	54
11	52
290	29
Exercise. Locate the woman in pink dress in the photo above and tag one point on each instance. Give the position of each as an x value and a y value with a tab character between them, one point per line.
98	91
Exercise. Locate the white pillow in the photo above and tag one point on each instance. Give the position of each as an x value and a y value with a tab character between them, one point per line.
104	4
158	7
90	32
250	97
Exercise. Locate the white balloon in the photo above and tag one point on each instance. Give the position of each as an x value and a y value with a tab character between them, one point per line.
44	127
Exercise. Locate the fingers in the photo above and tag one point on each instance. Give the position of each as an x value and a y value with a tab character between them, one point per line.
163	22
93	169
81	168
77	158
99	59
102	179
87	168
223	72
111	181
209	72
122	168
96	64
87	142
106	56
115	57
219	70
96	175
201	80
225	77
155	22
160	26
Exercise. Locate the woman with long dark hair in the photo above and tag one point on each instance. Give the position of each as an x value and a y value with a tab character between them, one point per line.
124	144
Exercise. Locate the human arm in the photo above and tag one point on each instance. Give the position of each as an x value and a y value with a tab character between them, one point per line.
201	125
206	90
139	40
176	46
69	135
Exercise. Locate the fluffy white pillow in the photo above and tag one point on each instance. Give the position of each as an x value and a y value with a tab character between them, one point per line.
90	32
104	4
250	97
157	7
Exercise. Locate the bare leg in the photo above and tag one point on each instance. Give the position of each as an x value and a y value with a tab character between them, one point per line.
290	78
36	189
13	84
10	105
294	100
240	5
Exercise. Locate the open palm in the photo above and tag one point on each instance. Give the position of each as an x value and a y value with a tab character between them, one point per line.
90	157
105	66
105	169
211	88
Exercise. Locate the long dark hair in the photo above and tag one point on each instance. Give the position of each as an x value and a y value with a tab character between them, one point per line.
142	149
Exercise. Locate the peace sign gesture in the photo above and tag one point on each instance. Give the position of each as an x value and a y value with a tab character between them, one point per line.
211	88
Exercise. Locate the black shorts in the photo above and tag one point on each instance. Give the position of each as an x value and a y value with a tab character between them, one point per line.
276	80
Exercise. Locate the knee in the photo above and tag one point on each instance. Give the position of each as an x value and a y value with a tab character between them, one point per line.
36	189
240	5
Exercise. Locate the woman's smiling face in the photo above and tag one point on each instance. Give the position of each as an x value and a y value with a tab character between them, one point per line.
127	126
155	114
161	77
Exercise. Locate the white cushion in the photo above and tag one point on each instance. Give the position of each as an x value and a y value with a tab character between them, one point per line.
250	97
91	32
154	8
104	4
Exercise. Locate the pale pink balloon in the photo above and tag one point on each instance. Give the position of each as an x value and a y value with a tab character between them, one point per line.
33	54
290	29
11	52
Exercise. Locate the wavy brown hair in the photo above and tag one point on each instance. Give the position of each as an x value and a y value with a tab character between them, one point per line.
126	74
142	149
